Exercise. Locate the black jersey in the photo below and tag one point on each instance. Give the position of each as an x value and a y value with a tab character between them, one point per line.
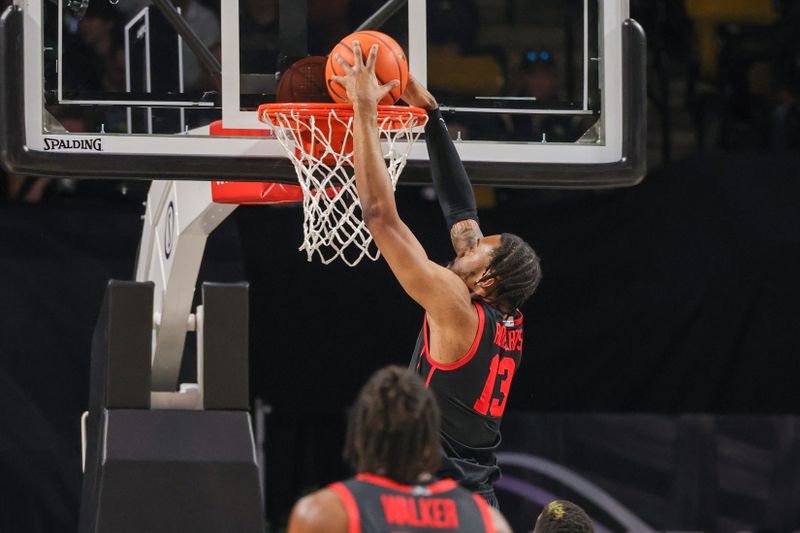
472	395
376	504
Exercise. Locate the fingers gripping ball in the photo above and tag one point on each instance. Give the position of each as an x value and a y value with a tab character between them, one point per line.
390	64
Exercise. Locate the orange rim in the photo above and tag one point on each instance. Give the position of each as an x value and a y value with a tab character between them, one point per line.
397	115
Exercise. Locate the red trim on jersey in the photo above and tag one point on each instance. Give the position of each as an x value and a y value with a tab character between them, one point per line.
517	313
430	375
486	514
436	487
443	485
346	497
458	363
384	482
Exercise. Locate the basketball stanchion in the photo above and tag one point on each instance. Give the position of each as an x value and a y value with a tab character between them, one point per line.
318	138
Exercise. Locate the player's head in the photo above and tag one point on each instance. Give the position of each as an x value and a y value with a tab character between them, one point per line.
393	429
561	516
502	269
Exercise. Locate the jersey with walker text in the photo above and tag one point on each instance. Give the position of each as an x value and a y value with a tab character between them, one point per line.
376	504
472	394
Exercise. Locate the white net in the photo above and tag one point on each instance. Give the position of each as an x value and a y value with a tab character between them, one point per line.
320	147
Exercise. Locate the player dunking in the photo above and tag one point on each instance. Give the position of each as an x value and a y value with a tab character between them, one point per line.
393	445
471	340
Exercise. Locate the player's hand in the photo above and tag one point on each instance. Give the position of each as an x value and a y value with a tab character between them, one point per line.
417	95
359	81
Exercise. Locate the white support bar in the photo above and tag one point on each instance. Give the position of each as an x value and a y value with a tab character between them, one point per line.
200	320
148	67
60	64
518	111
418	40
140	103
189	398
179	217
586	54
84	418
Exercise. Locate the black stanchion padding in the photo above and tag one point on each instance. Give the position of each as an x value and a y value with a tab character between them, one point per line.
225	346
166	471
119	375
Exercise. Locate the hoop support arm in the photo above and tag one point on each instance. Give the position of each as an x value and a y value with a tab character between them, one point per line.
178	219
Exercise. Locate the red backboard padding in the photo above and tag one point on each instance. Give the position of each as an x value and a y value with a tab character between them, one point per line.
251	192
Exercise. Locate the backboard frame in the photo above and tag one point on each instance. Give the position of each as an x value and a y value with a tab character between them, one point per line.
619	161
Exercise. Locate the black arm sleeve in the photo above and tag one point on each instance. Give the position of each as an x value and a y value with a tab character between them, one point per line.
450	180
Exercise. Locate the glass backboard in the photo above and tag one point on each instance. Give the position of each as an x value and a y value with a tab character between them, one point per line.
547	93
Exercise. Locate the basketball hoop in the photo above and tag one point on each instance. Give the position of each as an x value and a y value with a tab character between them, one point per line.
318	138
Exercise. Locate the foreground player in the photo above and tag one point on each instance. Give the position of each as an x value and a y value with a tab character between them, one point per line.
471	339
561	516
393	445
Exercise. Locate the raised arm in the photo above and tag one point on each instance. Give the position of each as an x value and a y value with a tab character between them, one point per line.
450	180
438	290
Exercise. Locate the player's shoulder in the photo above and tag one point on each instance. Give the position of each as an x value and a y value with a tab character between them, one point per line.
322	510
499	521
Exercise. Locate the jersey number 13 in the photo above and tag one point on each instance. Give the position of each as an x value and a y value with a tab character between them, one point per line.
492	403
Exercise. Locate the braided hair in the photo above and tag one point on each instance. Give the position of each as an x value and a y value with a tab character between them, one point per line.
517	271
394	427
562	516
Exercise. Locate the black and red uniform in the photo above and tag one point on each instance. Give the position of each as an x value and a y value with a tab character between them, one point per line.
377	504
472	395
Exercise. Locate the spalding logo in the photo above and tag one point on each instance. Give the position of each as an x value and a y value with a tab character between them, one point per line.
94	145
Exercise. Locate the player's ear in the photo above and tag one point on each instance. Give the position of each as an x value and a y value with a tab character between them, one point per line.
486	286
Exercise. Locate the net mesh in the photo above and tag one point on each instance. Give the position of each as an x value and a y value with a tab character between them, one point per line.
320	147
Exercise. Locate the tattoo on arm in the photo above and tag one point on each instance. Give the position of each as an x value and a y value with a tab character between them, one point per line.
464	235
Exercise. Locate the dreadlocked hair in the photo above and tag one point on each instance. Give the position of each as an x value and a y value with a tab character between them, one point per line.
393	429
517	271
562	516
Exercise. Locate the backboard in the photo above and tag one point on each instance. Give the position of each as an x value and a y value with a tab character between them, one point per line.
537	93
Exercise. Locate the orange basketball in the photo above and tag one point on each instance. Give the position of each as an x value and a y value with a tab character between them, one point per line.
391	63
304	81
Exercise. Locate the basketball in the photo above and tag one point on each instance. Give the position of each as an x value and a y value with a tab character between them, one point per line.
304	81
391	64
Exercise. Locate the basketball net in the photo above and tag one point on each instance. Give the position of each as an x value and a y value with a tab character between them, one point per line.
318	138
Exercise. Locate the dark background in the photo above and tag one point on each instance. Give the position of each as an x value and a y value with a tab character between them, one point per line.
675	297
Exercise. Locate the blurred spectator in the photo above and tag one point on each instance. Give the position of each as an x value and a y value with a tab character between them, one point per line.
784	120
539	79
454	54
113	72
95	28
16	188
453	25
784	123
206	25
328	23
538	75
258	30
87	44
